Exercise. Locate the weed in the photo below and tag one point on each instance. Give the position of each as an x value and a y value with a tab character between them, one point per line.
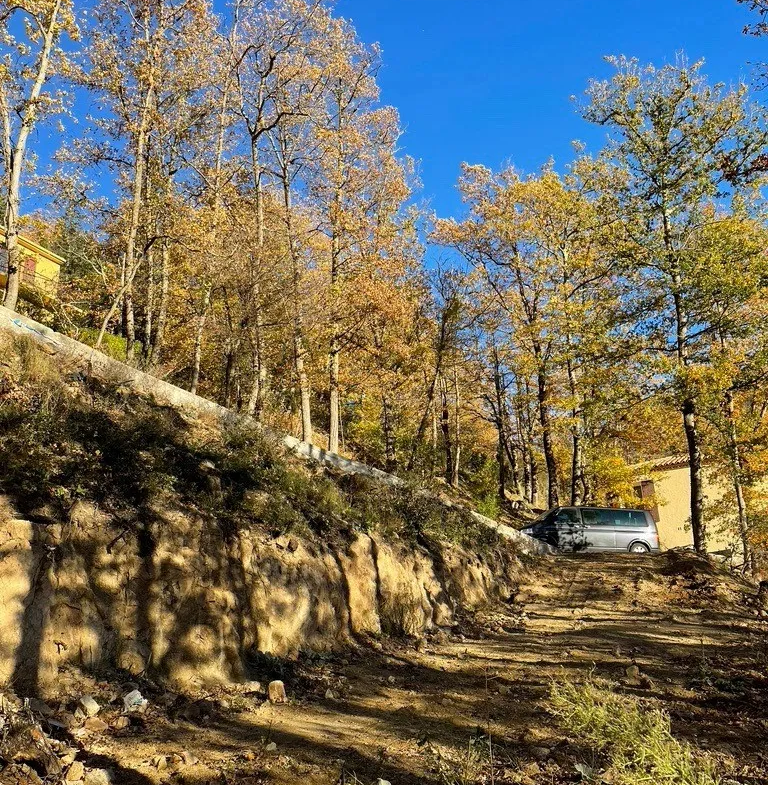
638	741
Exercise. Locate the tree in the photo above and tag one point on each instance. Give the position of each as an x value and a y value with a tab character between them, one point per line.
681	145
28	61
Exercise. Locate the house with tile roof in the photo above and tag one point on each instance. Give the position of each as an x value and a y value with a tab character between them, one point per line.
40	271
667	482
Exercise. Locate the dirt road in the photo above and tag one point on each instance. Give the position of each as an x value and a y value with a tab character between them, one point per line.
666	629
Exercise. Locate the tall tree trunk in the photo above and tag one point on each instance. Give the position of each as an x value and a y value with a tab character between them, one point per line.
299	345
17	156
688	408
334	353
258	393
738	487
697	477
442	342
553	479
577	437
445	424
534	472
456	429
501	460
137	199
158	339
388	429
149	308
202	317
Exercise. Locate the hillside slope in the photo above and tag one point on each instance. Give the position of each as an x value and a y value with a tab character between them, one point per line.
164	541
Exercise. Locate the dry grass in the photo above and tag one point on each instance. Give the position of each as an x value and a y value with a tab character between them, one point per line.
638	741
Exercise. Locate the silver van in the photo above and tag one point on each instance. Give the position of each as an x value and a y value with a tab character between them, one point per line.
593	529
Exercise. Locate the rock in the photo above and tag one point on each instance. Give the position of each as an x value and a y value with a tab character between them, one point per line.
39	707
251	686
540	753
76	772
95	725
121	723
67	719
68	756
391	679
88	706
134	701
276	692
383	782
189	759
98	777
504	689
271	747
632	671
330	695
160	762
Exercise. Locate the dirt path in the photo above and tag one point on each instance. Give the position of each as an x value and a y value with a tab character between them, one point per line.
407	713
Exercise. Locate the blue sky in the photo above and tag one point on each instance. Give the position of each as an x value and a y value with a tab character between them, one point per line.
491	81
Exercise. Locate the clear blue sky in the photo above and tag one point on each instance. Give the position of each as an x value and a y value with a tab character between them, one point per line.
491	81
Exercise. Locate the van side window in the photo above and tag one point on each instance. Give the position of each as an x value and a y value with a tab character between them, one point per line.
591	517
568	515
629	518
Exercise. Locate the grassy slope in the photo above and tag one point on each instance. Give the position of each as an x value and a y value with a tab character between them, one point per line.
65	439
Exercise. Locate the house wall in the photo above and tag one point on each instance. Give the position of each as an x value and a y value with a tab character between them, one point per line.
40	268
673	491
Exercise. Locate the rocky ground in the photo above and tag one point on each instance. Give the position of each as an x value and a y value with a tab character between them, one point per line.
466	705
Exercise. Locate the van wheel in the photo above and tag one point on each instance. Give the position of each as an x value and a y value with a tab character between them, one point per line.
639	547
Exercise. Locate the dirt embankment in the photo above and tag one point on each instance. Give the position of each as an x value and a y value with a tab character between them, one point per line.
182	600
162	542
466	704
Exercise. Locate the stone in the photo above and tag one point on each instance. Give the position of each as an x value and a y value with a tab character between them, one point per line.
330	695
98	777
189	759
121	723
540	753
68	756
134	701
632	671
271	747
95	725
391	679
39	707
383	782
504	689
276	692
76	772
66	719
88	706
160	762
251	687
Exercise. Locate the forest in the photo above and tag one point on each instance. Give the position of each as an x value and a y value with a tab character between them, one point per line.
237	217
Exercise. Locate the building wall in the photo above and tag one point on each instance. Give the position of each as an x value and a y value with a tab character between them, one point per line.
40	268
673	491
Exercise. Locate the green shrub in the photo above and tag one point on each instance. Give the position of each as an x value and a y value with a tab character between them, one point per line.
638	741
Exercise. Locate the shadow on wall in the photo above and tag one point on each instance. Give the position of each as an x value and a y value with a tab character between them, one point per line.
129	553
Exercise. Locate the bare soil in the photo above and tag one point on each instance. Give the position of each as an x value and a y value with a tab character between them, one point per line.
411	711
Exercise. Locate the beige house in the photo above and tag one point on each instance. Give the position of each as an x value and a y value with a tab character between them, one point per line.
668	481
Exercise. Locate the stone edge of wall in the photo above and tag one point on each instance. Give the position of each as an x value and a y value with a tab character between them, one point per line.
107	369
